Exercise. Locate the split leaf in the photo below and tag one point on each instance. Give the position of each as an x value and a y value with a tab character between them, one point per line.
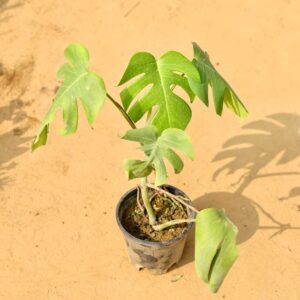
78	83
160	75
158	147
215	246
222	91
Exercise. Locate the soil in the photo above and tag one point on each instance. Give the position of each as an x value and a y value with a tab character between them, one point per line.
136	222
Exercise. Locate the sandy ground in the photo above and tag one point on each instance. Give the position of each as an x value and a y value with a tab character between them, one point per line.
58	235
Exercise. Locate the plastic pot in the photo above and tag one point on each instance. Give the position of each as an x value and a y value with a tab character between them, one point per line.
158	257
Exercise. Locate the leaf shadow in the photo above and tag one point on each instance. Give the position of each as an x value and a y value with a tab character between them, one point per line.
276	138
14	121
13	142
294	192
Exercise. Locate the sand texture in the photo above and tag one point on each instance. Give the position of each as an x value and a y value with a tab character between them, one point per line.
58	236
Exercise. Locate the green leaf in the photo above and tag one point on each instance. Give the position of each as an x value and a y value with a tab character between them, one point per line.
78	83
160	75
174	159
215	246
222	91
178	139
145	135
157	148
137	168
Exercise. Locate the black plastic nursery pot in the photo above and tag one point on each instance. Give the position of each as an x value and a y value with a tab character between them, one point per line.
158	257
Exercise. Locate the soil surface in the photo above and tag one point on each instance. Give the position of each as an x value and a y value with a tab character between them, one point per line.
136	222
59	239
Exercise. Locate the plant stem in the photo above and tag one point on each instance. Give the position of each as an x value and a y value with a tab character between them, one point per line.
171	223
138	199
171	196
147	204
122	111
144	191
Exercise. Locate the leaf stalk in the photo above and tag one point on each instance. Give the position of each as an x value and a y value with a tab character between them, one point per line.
146	201
121	110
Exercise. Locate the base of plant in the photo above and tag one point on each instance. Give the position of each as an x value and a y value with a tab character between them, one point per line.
159	250
136	221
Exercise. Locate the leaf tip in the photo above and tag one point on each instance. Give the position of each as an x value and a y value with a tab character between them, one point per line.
76	49
41	138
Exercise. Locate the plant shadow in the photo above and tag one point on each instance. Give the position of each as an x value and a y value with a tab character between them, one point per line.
14	121
13	142
275	138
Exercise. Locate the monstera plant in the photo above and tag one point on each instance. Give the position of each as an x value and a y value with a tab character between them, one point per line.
155	216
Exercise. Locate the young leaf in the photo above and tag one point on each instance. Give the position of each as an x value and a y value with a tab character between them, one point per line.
222	91
215	246
173	111
157	147
137	168
145	135
78	83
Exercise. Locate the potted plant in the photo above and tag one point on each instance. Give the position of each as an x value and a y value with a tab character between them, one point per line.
155	218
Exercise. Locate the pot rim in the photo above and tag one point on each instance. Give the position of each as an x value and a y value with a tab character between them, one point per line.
152	243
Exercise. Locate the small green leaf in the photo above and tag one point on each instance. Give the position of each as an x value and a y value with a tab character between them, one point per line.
78	83
222	91
160	74
137	169
157	147
215	246
145	135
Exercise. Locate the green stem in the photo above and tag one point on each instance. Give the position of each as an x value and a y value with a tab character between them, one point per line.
144	190
147	204
121	110
171	223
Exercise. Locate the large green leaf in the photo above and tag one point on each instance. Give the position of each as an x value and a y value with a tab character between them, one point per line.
157	147
215	246
160	75
78	83
222	91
